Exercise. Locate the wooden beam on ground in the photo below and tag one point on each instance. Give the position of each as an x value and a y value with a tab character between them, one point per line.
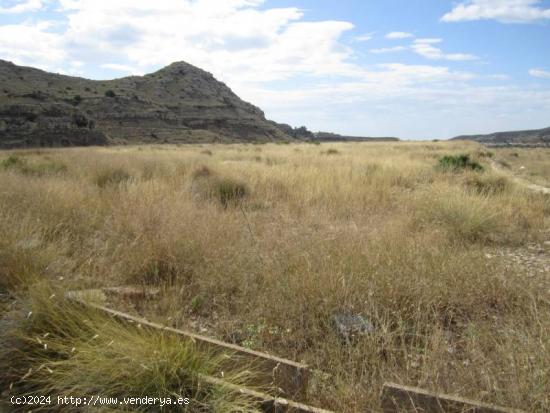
397	399
268	403
288	378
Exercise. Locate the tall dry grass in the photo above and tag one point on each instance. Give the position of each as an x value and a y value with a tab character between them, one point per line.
262	245
61	349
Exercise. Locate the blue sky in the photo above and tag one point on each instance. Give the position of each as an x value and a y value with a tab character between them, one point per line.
415	69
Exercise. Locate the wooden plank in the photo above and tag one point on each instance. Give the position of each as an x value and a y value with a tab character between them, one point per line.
287	377
397	399
268	403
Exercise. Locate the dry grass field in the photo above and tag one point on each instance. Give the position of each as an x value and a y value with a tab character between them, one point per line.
261	245
531	164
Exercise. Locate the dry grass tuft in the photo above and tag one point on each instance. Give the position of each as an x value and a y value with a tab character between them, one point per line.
60	348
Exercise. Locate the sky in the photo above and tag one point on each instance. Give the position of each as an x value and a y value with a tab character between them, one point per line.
420	69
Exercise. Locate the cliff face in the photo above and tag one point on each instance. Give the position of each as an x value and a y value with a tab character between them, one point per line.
179	103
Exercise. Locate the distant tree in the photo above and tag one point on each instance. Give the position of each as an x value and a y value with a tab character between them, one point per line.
77	99
302	132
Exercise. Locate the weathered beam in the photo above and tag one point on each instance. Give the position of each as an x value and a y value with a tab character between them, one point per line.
268	403
398	399
287	377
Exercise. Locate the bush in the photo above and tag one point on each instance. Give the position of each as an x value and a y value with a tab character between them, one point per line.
12	162
230	191
207	185
110	93
33	169
46	168
485	154
113	177
331	151
459	162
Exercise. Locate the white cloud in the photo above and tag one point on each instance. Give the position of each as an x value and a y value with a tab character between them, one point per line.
426	48
505	11
122	68
399	35
498	76
234	39
32	44
371	107
388	49
22	7
429	41
544	74
364	37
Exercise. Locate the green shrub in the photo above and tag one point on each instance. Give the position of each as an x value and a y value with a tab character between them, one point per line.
459	162
12	162
230	191
113	177
44	168
33	169
485	154
196	303
110	93
207	185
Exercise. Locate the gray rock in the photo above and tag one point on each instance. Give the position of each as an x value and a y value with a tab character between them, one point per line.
350	326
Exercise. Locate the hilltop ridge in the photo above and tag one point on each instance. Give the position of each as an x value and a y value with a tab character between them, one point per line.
533	137
178	103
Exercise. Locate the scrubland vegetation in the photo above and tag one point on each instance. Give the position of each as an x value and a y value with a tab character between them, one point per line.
261	246
527	163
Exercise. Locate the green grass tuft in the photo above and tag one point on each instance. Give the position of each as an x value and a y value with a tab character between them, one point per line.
48	167
230	191
65	349
112	178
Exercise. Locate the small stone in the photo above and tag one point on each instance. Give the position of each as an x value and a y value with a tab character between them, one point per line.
28	244
350	326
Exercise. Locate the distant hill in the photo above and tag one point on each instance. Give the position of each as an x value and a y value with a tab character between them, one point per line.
535	137
179	103
334	137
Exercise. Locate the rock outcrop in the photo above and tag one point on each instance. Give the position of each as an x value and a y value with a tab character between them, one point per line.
179	103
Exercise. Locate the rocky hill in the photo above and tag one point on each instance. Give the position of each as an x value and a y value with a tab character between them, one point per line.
334	137
179	103
535	137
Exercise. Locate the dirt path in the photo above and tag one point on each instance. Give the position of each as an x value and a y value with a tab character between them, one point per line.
533	258
520	181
